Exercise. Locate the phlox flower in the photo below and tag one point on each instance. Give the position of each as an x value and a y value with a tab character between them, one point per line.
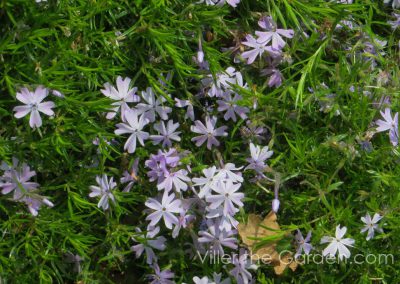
165	210
161	277
258	157
153	106
130	177
217	239
229	104
371	225
122	94
227	195
242	263
176	179
166	133
273	34
228	172
258	49
208	132
337	244
34	202
34	105
391	124
104	190
205	183
151	242
189	107
133	125
303	244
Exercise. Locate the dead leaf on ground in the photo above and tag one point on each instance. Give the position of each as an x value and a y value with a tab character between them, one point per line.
269	227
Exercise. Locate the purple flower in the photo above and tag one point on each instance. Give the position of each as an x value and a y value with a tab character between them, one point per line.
183	220
133	126
242	263
258	49
371	225
150	243
33	105
253	131
223	82
396	23
34	202
123	95
16	178
206	182
104	190
166	133
154	106
227	195
217	238
276	77
208	132
159	164
132	177
164	210
176	179
272	34
186	103
258	157
275	205
391	124
161	277
229	105
303	245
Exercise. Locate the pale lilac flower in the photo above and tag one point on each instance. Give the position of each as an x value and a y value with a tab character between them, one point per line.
151	242
371	225
227	195
227	172
154	106
217	239
176	179
273	34
229	104
34	202
217	279
161	277
395	3
223	82
165	210
159	164
186	103
203	280
123	95
337	244
130	177
34	105
258	49
391	124
104	190
303	244
74	259
396	23
205	183
166	134
226	222
57	94
134	127
258	157
232	3
253	131
242	263
208	132
16	179
183	221
276	77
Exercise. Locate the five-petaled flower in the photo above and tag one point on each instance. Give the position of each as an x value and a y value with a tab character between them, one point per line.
165	210
337	244
371	225
104	190
208	132
34	105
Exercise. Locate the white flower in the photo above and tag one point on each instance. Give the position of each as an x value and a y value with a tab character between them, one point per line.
206	182
258	157
337	244
104	190
371	225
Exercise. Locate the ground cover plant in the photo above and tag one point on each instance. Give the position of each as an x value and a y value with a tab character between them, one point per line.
214	141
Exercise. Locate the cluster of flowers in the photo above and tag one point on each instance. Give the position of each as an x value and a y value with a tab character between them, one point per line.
269	42
338	244
217	199
16	180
